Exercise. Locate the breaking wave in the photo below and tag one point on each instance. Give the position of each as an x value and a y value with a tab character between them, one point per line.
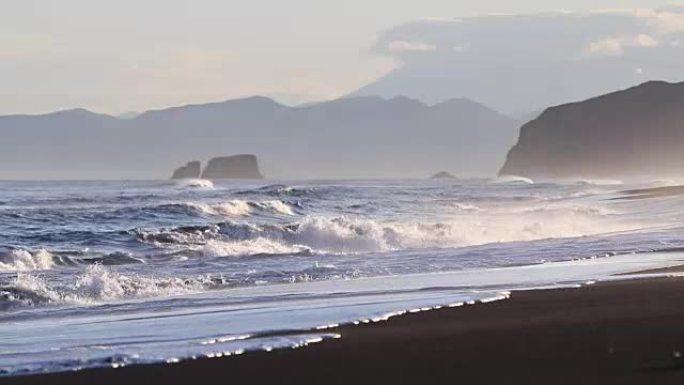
19	260
22	260
348	235
278	190
231	208
351	235
94	285
599	182
513	179
276	206
251	247
195	183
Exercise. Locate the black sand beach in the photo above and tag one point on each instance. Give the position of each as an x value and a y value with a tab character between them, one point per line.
629	332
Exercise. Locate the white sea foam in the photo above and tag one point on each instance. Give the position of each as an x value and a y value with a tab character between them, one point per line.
513	179
196	183
315	309
333	226
343	234
258	246
665	182
466	207
232	208
34	289
351	234
176	237
599	182
22	260
96	284
201	208
275	206
236	208
99	284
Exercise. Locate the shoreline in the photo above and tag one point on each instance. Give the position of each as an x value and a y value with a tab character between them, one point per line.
626	332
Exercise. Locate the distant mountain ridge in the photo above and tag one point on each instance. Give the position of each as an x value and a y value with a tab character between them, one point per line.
631	133
365	137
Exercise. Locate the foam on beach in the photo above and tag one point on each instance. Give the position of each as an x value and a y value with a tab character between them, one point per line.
91	270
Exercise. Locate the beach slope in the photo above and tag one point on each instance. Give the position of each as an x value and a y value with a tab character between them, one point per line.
628	332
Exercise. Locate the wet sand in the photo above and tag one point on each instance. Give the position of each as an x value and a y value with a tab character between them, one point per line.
629	332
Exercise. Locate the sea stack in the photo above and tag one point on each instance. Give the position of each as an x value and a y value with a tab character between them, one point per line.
233	167
443	175
191	170
631	133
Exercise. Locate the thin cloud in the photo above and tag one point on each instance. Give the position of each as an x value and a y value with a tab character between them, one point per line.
606	47
616	46
529	61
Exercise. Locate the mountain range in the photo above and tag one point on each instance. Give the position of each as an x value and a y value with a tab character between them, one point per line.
357	137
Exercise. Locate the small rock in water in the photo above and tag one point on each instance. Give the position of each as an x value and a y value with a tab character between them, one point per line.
443	175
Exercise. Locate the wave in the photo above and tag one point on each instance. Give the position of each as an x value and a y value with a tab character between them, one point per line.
98	284
94	285
352	235
665	182
253	247
513	179
599	182
227	240
19	260
195	183
550	209
654	192
231	208
187	235
23	260
276	206
280	190
108	259
465	206
241	208
181	208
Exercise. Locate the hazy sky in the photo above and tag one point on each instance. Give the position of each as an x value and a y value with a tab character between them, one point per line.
124	55
518	63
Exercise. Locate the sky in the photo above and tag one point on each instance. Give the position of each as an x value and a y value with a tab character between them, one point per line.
127	55
523	63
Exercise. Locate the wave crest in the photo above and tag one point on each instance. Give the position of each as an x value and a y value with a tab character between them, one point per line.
22	260
276	206
351	235
231	208
95	285
513	179
252	247
196	183
278	190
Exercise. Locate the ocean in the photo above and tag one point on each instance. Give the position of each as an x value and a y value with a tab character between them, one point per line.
109	274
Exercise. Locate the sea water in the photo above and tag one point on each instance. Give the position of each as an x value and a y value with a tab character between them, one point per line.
108	274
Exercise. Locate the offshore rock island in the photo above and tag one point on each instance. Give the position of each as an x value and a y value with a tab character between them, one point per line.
244	166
